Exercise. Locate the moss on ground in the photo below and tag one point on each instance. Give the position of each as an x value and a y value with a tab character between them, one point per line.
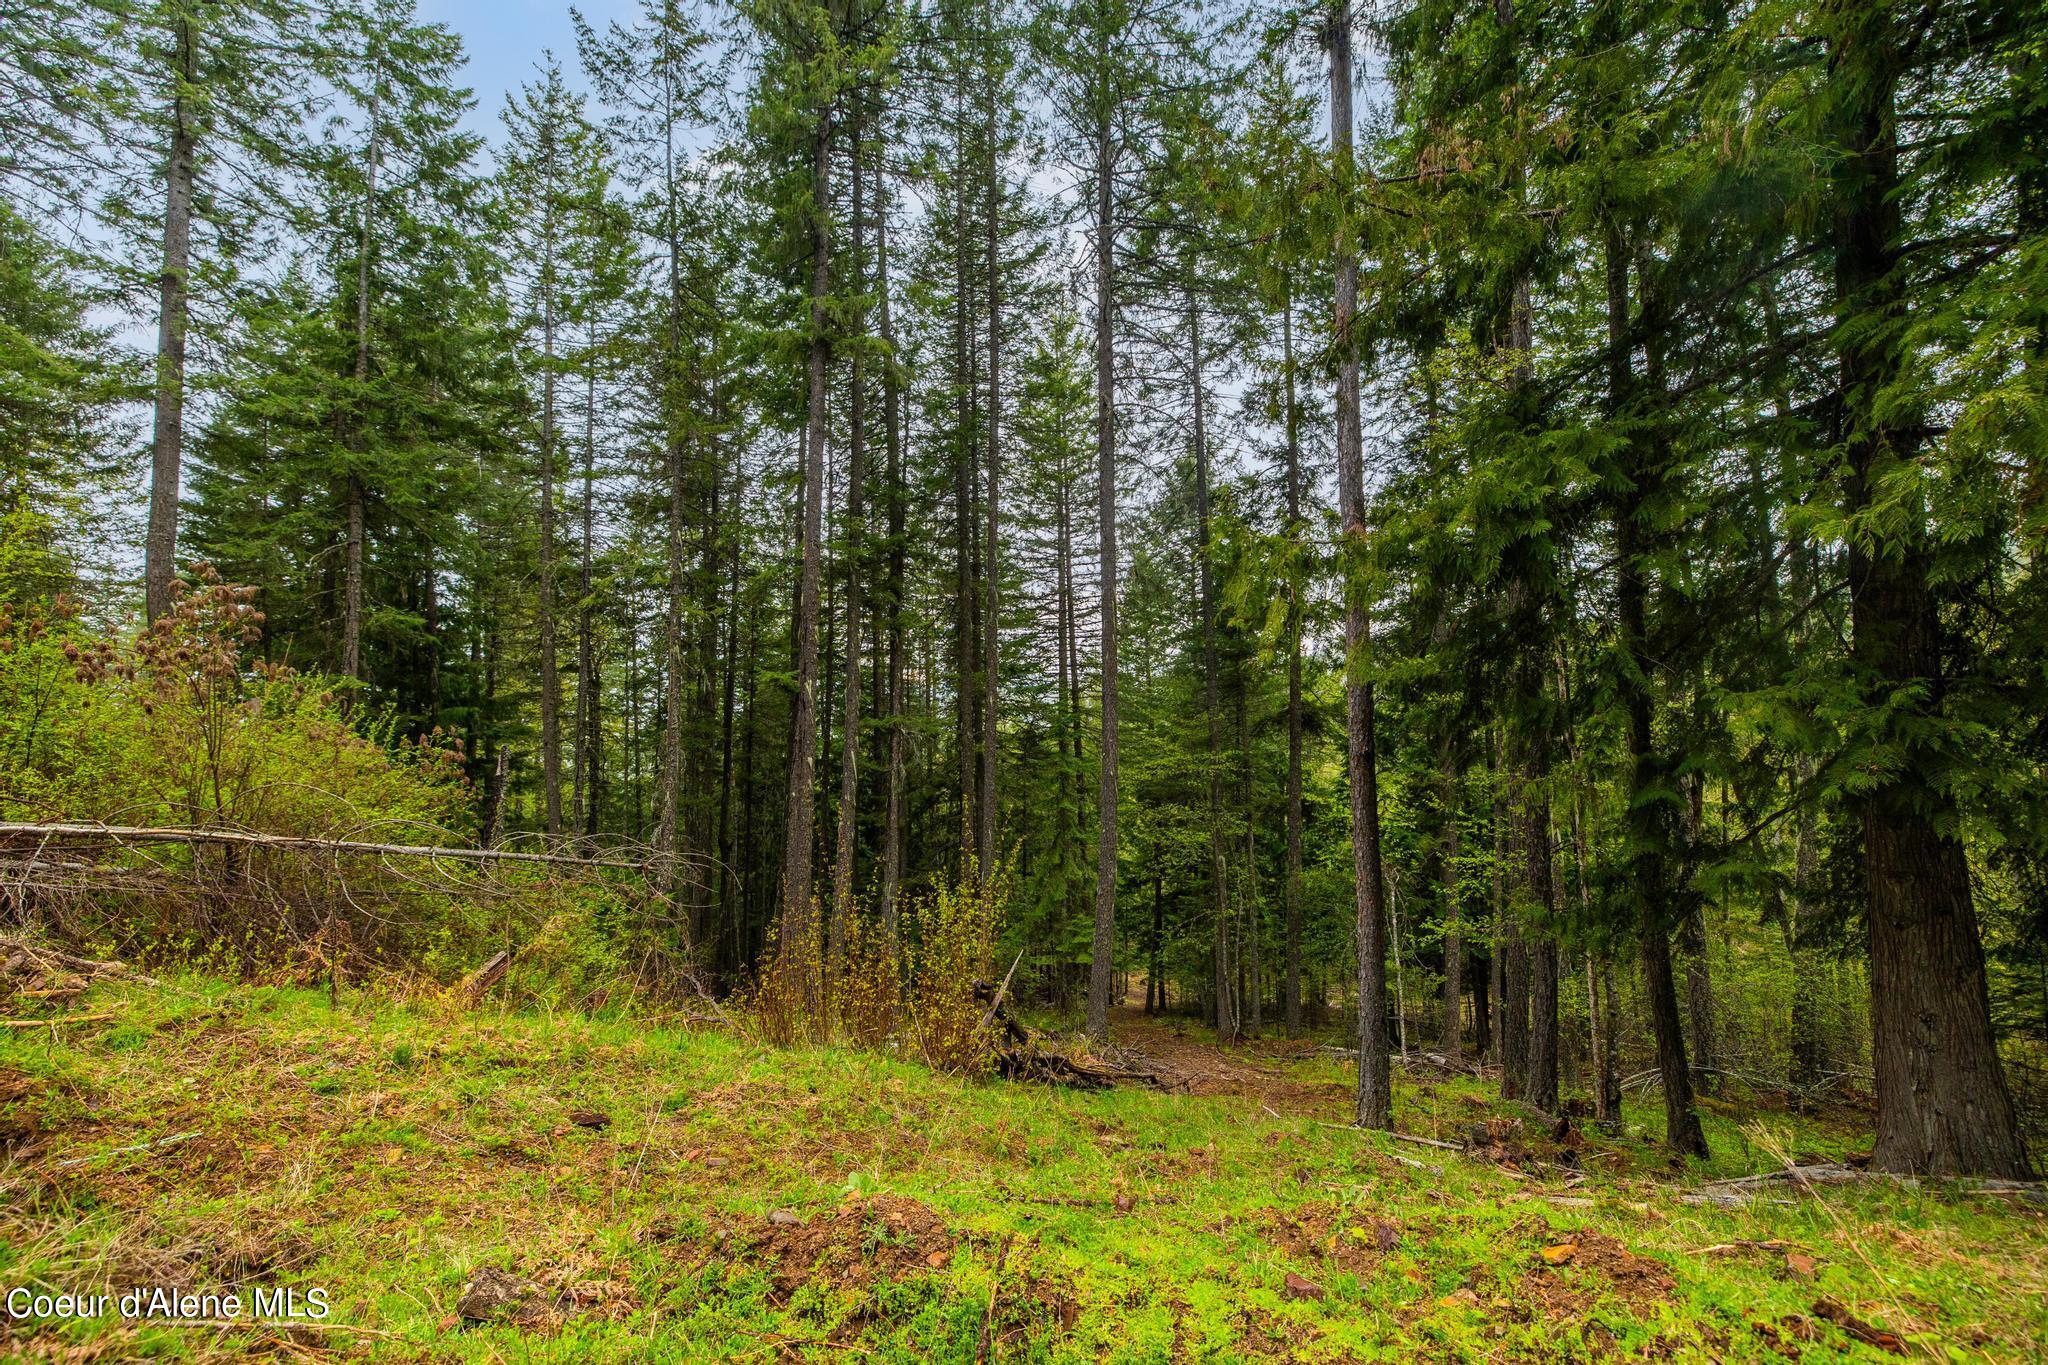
683	1193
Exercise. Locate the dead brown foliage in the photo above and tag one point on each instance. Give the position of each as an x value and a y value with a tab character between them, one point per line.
883	1238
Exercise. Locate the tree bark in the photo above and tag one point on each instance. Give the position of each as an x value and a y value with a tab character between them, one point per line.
1453	1041
892	428
586	803
1375	1081
967	713
1543	954
1100	959
1226	1012
1291	987
798	828
352	563
1652	791
174	282
669	757
856	479
550	670
991	574
1942	1103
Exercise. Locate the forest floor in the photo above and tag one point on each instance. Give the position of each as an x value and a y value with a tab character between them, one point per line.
626	1189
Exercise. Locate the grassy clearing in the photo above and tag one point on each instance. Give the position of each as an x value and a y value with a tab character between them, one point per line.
387	1153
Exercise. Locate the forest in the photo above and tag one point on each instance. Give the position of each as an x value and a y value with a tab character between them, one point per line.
1486	540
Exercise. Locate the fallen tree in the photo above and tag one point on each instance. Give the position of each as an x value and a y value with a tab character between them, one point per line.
65	834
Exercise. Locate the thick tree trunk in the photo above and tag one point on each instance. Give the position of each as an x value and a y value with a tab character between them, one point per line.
1100	959
1291	988
1942	1103
1513	1023
1375	1081
174	288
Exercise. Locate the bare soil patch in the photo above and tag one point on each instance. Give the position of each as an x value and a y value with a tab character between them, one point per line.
884	1238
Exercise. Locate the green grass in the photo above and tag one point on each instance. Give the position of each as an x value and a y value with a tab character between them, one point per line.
385	1153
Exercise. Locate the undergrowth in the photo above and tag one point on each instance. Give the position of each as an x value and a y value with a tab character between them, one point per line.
691	1193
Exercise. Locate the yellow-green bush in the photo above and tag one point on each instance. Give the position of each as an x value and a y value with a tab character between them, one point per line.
175	729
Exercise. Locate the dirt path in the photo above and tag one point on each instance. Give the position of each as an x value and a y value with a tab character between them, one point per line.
1267	1071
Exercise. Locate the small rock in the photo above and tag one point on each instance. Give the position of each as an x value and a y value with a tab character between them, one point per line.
1298	1288
783	1218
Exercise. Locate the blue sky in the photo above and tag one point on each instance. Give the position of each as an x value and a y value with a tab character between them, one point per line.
505	39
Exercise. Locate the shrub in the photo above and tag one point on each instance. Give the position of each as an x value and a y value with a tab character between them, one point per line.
174	729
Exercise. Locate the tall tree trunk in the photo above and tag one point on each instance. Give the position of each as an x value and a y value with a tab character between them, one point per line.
550	671
1513	1023
1100	960
1599	985
174	287
1453	1041
730	912
892	426
1254	994
750	900
587	709
991	572
1942	1103
430	622
967	716
1291	988
797	838
669	758
1072	804
1543	953
1651	819
856	479
353	493
1375	1080
1226	1016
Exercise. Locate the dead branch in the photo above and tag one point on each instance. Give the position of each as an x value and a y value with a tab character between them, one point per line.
306	843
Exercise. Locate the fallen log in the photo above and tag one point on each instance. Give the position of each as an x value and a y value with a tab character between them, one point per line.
143	834
42	956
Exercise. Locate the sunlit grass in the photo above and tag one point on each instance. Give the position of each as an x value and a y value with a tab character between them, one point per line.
387	1152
